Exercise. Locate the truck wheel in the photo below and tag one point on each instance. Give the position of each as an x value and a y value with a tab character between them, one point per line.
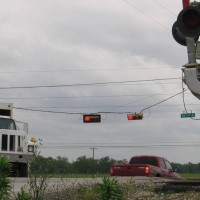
23	169
158	175
14	170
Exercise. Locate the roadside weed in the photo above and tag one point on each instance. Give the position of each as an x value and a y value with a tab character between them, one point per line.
110	189
5	183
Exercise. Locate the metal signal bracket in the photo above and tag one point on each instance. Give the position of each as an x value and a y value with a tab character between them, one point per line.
192	69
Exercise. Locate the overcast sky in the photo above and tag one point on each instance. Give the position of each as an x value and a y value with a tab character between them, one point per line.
67	42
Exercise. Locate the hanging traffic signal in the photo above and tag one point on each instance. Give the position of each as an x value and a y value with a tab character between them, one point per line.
135	116
187	24
91	118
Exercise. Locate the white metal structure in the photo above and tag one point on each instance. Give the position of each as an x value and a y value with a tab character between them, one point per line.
192	69
191	80
14	142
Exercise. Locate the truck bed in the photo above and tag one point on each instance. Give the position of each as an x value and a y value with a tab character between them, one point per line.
131	170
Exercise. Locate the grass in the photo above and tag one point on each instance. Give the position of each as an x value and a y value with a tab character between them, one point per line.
184	175
78	175
190	176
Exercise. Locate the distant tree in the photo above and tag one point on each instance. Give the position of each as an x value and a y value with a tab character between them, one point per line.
124	161
187	168
83	165
198	167
177	166
61	165
103	165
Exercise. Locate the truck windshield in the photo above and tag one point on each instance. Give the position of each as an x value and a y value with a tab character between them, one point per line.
144	160
8	124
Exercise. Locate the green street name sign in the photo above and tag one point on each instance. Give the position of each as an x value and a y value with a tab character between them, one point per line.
186	115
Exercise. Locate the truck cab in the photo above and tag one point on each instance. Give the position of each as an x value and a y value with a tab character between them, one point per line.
14	143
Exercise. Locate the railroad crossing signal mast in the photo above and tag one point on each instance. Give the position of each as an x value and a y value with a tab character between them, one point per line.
186	31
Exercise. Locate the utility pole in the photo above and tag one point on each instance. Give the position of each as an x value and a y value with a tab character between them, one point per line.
93	149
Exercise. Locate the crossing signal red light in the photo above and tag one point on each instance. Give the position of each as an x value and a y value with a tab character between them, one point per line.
191	19
135	116
187	24
91	118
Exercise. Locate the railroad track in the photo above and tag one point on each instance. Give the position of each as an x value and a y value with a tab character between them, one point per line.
189	182
181	185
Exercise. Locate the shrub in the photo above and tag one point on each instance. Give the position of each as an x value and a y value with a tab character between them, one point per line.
5	184
110	189
23	195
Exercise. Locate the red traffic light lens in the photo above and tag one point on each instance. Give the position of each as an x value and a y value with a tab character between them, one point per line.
87	119
191	19
130	117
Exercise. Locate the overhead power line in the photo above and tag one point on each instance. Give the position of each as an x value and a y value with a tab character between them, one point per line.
83	70
195	144
164	7
85	84
149	17
101	112
90	96
123	143
103	106
48	111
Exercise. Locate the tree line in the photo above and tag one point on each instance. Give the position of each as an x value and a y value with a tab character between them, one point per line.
187	168
84	165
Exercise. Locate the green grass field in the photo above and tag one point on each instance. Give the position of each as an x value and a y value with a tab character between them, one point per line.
184	175
78	175
190	176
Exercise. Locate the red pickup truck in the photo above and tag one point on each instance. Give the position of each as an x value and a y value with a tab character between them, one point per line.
145	165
